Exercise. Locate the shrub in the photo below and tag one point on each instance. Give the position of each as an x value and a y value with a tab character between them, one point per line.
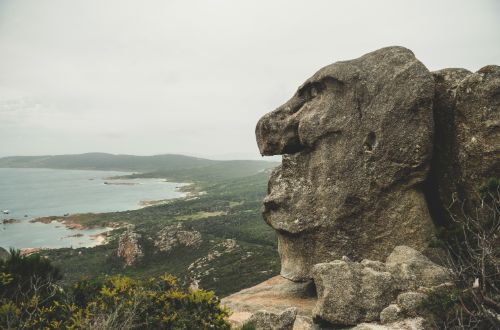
473	245
248	326
31	299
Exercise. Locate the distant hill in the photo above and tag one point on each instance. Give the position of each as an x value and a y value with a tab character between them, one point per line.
169	165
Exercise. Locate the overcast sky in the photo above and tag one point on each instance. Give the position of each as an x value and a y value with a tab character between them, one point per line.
193	77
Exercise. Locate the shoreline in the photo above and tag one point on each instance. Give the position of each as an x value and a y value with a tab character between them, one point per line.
73	221
95	221
99	239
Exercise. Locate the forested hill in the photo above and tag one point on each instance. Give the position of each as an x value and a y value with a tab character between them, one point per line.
169	165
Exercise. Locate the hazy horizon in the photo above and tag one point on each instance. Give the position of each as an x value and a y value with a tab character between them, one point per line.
193	77
223	156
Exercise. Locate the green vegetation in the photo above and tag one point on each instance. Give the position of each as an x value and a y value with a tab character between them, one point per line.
175	167
236	250
199	215
229	210
31	298
248	326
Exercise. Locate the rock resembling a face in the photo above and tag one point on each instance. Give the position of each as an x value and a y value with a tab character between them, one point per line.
356	140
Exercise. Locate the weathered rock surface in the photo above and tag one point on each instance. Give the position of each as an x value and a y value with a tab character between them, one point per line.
129	248
391	313
357	143
417	323
353	292
345	293
412	270
349	292
371	148
274	295
266	320
173	236
467	116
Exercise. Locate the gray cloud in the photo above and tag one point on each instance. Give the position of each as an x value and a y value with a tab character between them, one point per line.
146	77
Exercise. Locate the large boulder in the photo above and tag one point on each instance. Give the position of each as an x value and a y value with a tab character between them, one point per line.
417	323
467	116
350	293
413	270
357	144
275	296
266	320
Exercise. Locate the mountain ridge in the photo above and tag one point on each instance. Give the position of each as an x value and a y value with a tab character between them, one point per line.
164	165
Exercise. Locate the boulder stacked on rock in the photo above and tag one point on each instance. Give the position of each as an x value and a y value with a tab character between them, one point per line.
368	295
357	144
350	292
375	150
467	144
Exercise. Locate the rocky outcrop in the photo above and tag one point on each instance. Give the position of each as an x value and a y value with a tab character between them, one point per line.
275	295
417	323
170	237
129	248
467	116
367	295
350	292
375	150
266	320
356	141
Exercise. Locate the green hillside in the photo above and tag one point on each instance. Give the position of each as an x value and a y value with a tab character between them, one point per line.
229	210
237	248
170	166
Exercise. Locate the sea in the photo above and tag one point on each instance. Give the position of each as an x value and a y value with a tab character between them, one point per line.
29	193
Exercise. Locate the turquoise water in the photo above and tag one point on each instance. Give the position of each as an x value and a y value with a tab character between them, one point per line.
31	193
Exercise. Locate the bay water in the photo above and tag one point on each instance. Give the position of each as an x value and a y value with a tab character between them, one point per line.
28	193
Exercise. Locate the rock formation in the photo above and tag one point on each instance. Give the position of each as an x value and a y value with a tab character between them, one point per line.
357	144
350	293
347	293
374	150
173	236
275	295
274	321
467	115
129	248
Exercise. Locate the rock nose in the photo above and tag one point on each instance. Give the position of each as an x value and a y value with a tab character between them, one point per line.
262	132
277	133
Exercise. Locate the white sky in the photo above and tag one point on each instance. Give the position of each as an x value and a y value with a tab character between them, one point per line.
193	77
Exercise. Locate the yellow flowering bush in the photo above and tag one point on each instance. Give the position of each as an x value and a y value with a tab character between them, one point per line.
117	302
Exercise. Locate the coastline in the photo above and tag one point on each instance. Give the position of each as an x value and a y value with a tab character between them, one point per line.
80	221
100	224
76	221
99	239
